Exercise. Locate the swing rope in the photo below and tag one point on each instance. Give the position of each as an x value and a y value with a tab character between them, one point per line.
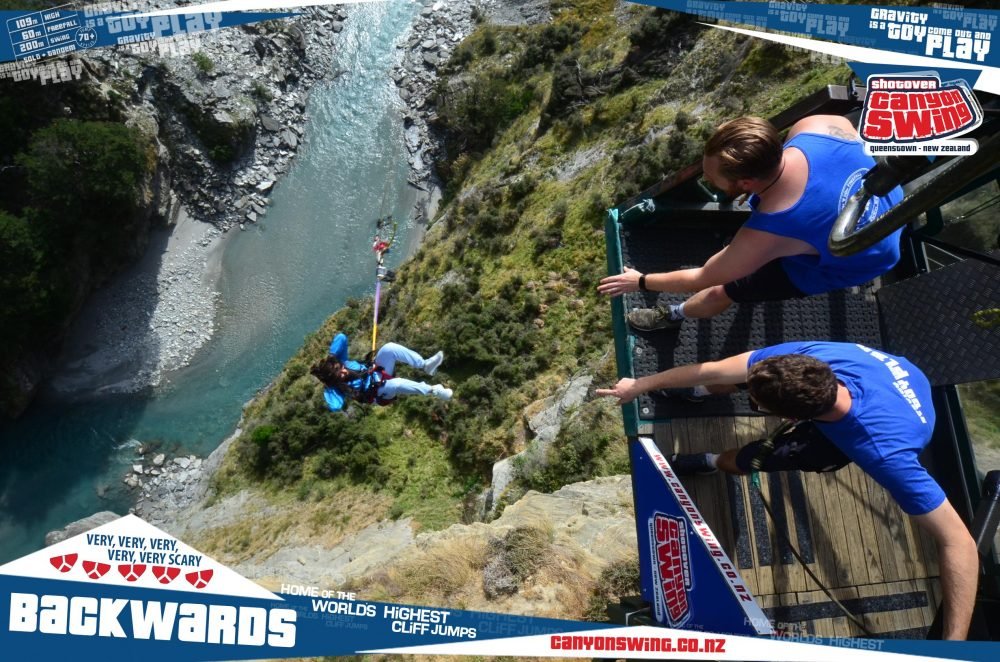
380	247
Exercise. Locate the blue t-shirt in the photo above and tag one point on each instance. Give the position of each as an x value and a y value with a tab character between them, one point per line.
836	168
334	398
890	421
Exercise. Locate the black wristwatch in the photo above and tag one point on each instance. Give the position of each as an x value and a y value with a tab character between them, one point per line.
642	283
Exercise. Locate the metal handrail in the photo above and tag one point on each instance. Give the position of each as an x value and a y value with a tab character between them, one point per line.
929	191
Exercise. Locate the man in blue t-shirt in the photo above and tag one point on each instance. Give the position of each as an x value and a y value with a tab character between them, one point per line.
853	404
796	192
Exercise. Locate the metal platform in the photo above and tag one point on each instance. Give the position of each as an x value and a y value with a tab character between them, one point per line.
663	246
947	321
851	533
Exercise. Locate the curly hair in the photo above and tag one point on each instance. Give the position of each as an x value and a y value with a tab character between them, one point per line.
747	147
793	386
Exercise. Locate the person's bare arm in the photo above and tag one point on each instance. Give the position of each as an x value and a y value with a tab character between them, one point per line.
959	563
833	125
727	371
748	251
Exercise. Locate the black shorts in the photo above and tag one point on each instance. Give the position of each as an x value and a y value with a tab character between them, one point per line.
769	283
803	447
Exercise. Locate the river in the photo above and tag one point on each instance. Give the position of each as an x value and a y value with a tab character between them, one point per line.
278	280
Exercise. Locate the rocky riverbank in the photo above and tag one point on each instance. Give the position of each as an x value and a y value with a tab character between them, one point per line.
165	487
435	33
232	113
228	120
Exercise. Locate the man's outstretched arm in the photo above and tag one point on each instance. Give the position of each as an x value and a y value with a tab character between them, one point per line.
749	251
727	371
959	563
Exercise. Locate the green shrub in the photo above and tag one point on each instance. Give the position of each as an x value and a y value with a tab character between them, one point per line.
618	580
553	40
545	238
88	170
221	153
488	43
203	62
473	114
79	193
300	429
261	91
521	187
25	295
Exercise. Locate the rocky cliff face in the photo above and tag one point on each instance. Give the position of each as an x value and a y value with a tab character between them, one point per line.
542	557
225	121
231	114
437	31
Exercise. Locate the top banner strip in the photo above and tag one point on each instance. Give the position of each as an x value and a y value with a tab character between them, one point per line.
955	34
35	35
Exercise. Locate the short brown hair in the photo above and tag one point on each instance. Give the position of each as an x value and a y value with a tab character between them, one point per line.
793	386
747	147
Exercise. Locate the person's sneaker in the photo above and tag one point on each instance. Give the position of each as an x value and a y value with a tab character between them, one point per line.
652	319
681	394
692	464
439	391
432	364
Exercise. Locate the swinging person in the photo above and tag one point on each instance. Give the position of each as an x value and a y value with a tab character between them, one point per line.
345	379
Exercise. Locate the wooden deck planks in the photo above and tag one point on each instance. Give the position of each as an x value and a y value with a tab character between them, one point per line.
864	547
870	551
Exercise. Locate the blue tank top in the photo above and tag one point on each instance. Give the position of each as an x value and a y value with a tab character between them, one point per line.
890	421
836	167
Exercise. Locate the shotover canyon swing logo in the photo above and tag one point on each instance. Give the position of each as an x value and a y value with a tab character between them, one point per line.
916	113
672	580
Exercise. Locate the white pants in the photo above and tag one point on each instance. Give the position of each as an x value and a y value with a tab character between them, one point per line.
387	357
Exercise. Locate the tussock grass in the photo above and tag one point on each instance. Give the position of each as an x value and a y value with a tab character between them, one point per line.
447	573
326	519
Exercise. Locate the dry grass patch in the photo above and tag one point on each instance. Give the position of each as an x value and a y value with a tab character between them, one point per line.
325	522
447	574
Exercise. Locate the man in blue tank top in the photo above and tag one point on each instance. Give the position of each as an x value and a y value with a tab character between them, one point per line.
853	404
796	192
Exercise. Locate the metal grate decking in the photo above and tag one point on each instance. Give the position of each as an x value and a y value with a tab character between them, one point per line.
957	339
662	246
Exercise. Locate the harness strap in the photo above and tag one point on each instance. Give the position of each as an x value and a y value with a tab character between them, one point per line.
377	376
767	446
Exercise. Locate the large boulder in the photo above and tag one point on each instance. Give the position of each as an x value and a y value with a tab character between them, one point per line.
80	526
228	131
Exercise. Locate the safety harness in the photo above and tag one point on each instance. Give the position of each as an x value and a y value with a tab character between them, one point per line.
371	383
766	447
